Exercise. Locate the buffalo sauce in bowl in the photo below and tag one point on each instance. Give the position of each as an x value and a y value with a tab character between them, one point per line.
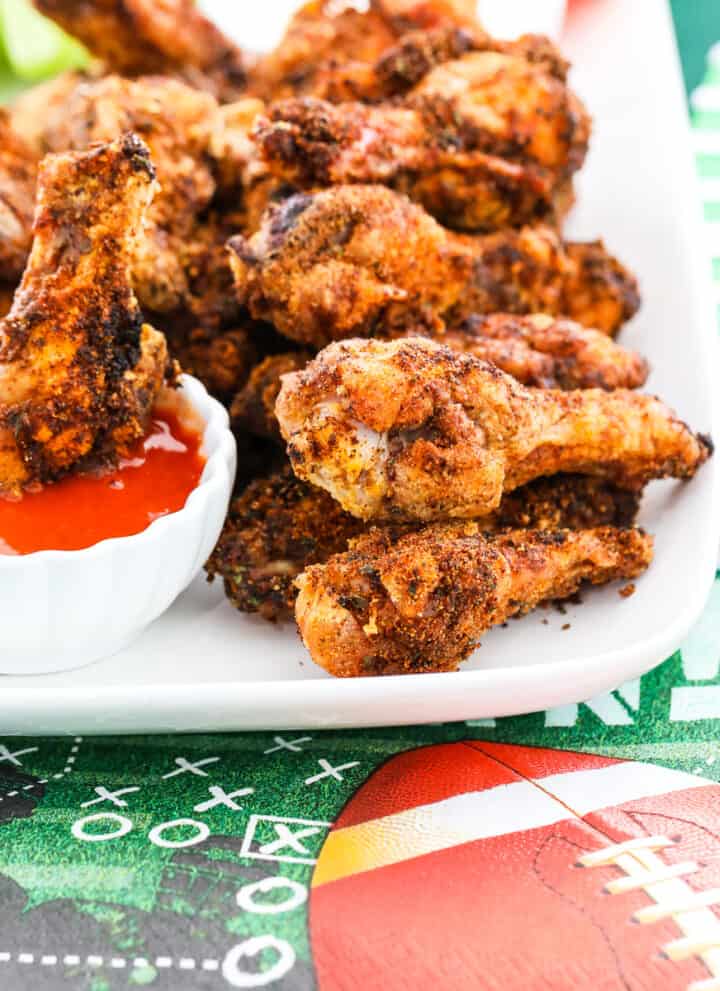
153	480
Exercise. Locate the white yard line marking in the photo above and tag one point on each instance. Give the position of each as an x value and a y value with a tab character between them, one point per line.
116	963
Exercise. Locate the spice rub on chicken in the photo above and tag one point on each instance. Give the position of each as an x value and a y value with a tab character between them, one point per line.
79	370
422	601
484	141
410	430
359	260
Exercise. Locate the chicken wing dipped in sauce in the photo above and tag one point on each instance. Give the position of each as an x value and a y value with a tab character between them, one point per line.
280	525
357	260
483	142
422	602
79	370
141	37
18	169
410	430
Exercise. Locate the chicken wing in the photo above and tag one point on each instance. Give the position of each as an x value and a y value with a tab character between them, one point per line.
483	142
410	430
322	34
548	352
359	260
18	168
138	37
222	360
423	601
177	122
279	526
79	371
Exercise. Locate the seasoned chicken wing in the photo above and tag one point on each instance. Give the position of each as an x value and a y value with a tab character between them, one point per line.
410	430
18	168
321	35
79	371
281	525
548	352
361	260
138	37
483	142
422	602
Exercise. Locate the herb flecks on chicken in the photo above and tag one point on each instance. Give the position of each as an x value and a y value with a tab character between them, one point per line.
423	601
280	525
410	430
79	370
363	260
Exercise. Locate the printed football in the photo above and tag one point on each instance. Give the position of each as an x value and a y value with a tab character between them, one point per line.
496	867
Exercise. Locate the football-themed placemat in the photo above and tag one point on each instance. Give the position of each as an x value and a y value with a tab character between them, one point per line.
575	848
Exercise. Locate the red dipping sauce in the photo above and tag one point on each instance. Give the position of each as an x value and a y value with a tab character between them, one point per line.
81	510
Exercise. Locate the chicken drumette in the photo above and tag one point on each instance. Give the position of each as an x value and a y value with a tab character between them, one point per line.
361	260
79	370
422	601
483	142
138	37
410	430
280	525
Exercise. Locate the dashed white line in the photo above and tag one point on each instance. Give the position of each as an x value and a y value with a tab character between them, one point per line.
118	963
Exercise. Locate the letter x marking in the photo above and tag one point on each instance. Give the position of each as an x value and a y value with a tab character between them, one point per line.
287	744
328	771
13	758
184	765
220	797
109	796
286	838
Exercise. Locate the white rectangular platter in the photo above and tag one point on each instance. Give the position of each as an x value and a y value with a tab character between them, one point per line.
203	666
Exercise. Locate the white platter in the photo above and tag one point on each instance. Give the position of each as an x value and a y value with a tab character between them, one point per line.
205	667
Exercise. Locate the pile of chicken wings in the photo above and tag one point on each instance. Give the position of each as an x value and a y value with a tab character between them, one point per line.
356	242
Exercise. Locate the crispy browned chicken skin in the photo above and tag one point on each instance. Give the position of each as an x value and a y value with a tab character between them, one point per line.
177	123
361	260
280	525
411	430
138	37
423	601
483	142
538	350
79	371
18	169
548	352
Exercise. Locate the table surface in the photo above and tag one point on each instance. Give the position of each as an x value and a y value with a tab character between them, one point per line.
392	858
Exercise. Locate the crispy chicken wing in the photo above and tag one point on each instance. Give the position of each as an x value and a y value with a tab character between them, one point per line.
360	260
178	123
137	37
548	352
482	142
411	430
222	360
281	525
423	601
79	371
538	350
18	168
322	34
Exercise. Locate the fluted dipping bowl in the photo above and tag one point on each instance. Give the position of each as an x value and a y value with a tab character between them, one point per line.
65	609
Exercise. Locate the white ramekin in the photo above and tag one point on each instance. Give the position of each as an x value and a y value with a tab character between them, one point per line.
65	609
